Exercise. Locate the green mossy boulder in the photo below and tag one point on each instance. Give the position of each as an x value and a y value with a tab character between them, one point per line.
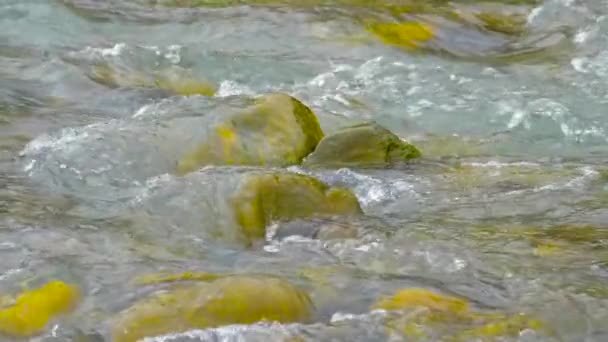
264	198
227	300
277	130
364	145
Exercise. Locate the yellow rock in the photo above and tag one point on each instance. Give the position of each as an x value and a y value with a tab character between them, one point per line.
412	298
228	300
407	34
33	309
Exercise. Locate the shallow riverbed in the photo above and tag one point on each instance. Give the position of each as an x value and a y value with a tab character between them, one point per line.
507	208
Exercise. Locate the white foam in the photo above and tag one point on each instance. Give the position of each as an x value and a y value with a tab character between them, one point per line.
231	88
45	141
90	51
229	333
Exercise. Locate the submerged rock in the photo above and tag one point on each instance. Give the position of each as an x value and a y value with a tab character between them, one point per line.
321	229
364	145
172	79
234	205
433	316
412	298
32	310
277	130
549	241
285	196
228	300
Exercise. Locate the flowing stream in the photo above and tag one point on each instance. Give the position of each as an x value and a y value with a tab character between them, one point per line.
507	208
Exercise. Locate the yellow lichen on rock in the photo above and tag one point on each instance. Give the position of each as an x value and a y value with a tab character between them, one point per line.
408	34
412	298
284	196
277	130
229	300
33	309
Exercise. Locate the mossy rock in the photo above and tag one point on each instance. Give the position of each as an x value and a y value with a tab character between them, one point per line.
173	79
264	198
277	130
30	312
434	316
416	297
228	300
364	145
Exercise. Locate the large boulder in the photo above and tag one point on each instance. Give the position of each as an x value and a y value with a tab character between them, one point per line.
277	130
227	300
364	145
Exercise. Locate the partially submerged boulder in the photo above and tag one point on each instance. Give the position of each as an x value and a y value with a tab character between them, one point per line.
364	145
264	198
173	79
277	130
227	300
234	205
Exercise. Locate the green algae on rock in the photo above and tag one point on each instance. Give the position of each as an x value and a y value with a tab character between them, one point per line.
277	130
228	300
278	196
363	145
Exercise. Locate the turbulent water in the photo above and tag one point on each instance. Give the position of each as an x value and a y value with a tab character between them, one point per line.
508	208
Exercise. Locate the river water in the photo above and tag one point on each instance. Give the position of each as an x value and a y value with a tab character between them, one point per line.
508	207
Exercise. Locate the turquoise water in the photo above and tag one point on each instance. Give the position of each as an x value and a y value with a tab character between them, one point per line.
508	207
